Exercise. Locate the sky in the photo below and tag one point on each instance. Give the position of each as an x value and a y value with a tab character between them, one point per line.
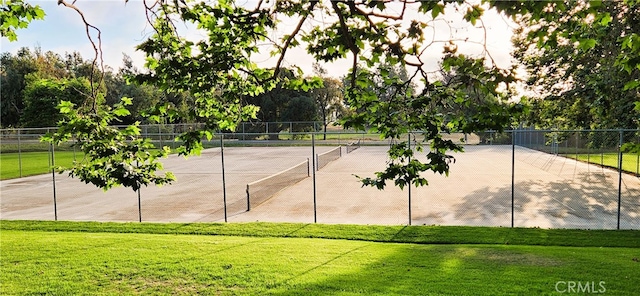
123	26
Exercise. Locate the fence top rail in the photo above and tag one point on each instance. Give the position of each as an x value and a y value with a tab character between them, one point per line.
48	129
570	130
3	130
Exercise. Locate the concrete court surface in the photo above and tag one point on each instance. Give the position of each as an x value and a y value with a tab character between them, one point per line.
196	196
550	191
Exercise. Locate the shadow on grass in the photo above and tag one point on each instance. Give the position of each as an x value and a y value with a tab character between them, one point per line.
455	270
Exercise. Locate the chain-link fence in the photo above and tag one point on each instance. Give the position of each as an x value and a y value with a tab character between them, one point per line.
521	178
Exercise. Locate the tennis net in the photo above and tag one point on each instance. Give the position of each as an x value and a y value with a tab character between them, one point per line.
263	189
353	146
327	157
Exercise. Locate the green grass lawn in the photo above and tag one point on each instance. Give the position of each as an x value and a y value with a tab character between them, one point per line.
33	163
629	161
67	258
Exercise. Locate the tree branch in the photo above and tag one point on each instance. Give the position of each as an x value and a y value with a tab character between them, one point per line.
97	50
384	16
287	43
347	40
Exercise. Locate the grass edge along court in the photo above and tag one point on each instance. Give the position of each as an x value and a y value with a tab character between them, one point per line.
313	259
630	161
33	163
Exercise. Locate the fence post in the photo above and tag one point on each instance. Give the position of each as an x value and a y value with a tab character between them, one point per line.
139	200
577	140
602	156
74	148
638	156
53	175
620	175
313	154
589	141
409	185
139	206
513	173
19	154
224	183
248	199
172	138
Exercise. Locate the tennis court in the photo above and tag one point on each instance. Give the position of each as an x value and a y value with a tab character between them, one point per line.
550	191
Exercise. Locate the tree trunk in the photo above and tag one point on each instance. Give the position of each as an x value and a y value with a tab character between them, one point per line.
325	129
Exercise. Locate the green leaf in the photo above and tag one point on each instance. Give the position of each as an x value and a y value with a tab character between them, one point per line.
208	135
437	10
39	13
630	148
606	19
126	101
632	84
11	36
133	130
586	44
473	14
121	112
65	107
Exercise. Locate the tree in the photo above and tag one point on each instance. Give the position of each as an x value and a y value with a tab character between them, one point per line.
30	65
42	96
279	104
15	71
218	71
590	61
113	156
380	75
476	90
328	98
302	108
143	97
577	74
